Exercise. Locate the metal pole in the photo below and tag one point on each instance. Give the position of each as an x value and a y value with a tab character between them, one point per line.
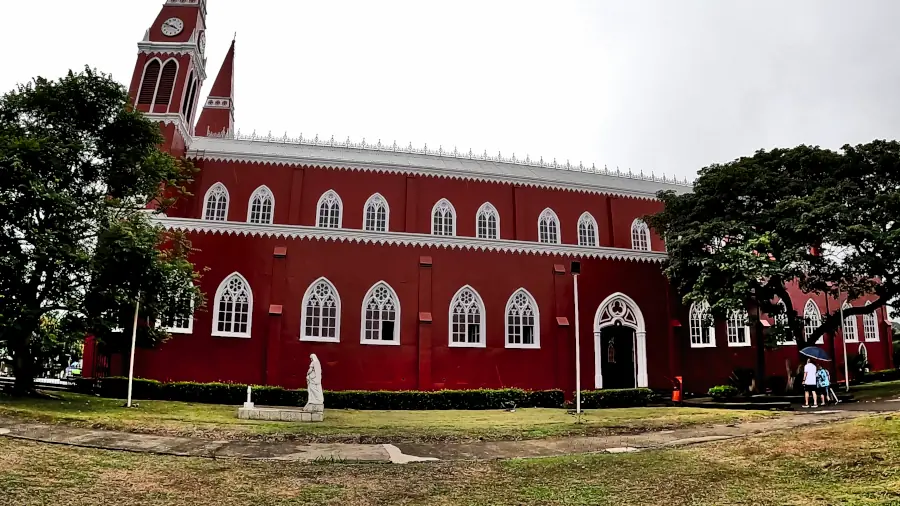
577	351
137	305
844	344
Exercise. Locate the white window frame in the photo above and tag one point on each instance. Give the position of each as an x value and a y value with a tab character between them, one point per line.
375	200
179	330
701	311
549	216
583	221
262	192
782	319
536	345
337	315
217	187
447	206
850	322
487	209
482	341
215	319
395	341
640	232
812	319
871	321
733	327
340	203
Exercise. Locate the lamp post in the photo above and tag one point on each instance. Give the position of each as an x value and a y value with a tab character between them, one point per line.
576	270
844	344
137	305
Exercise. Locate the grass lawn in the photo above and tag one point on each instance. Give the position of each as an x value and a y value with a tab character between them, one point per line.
849	463
875	391
220	422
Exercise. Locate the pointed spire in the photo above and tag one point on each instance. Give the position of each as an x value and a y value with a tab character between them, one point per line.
218	110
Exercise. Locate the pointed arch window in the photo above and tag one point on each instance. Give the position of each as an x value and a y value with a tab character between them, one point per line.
166	83
870	326
738	328
781	319
467	319
330	210
812	319
587	230
321	313
187	94
148	83
215	203
523	325
443	218
487	222
179	324
640	235
377	214
702	327
262	206
851	334
548	227
380	316
234	307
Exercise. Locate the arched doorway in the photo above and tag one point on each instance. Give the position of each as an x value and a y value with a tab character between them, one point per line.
620	344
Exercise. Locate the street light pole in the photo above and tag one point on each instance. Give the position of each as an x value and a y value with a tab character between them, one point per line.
137	305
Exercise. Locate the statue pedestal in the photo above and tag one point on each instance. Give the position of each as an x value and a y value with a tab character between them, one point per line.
280	414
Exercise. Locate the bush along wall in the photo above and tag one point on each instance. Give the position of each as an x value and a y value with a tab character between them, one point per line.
236	394
624	398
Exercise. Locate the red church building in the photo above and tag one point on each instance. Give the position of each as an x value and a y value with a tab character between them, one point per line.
419	268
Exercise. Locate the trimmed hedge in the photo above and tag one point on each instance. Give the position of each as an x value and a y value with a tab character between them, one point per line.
722	392
883	375
623	398
236	394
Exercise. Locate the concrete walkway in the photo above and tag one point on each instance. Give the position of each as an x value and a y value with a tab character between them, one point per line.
404	453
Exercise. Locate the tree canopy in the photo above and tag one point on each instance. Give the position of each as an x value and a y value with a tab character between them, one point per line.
821	219
82	176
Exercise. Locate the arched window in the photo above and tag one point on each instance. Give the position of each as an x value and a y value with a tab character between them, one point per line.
487	222
234	308
548	227
166	83
781	319
148	82
587	230
467	319
215	204
870	326
523	323
812	319
376	215
330	210
262	206
187	94
702	327
850	331
189	116
640	235
321	313
738	327
443	218
380	316
863	352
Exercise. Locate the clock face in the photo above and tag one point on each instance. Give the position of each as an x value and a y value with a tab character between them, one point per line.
202	43
172	27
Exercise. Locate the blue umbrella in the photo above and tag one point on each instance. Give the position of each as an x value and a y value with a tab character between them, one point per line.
815	352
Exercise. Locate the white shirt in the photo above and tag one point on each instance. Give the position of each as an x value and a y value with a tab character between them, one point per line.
809	374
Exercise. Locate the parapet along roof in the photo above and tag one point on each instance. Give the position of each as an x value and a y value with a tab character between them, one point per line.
436	162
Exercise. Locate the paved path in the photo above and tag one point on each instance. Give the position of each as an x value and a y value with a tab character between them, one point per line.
411	452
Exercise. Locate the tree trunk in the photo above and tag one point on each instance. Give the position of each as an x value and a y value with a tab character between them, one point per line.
23	367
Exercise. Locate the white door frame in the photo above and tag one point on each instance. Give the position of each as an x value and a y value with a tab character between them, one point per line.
620	309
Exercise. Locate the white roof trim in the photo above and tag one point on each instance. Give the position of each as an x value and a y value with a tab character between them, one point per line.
405	239
440	163
173	118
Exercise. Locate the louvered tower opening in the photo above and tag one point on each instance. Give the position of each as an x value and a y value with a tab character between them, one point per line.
166	83
148	85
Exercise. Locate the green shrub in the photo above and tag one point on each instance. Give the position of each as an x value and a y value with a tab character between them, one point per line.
723	392
623	398
235	394
883	375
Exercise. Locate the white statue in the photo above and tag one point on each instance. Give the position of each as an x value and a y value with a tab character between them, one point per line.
315	400
248	404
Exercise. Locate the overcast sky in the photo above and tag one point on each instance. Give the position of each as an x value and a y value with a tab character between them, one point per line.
664	86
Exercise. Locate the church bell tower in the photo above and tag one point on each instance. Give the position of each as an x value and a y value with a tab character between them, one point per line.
171	69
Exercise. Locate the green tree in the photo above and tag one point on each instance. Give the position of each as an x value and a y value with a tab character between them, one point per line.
82	178
821	219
